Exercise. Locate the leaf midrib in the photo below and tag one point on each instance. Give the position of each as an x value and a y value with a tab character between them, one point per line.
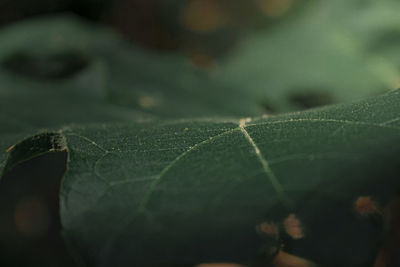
264	162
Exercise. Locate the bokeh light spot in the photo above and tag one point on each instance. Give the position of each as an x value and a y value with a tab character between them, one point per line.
32	217
274	8
203	16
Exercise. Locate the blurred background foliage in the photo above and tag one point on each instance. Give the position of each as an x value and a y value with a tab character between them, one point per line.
208	26
286	54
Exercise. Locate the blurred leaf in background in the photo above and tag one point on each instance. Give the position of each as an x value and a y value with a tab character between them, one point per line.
289	55
15	10
92	65
333	51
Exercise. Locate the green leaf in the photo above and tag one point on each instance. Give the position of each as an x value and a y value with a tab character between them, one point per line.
56	62
168	193
333	52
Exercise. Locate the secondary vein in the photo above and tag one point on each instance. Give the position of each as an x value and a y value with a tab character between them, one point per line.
267	169
156	181
326	120
90	141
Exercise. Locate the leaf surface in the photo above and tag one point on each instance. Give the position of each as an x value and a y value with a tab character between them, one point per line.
190	191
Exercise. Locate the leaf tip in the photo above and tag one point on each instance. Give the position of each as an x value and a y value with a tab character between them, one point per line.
33	147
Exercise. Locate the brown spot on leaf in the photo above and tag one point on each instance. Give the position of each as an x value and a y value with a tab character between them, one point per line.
284	259
293	226
269	229
219	265
365	205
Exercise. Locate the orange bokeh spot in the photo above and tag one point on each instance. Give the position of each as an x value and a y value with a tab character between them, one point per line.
203	16
269	229
274	8
293	227
201	60
32	217
365	206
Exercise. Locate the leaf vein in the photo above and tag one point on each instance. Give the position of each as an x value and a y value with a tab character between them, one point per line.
327	120
390	121
90	141
157	180
266	167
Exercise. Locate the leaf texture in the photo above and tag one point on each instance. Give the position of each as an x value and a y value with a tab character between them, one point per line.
190	191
